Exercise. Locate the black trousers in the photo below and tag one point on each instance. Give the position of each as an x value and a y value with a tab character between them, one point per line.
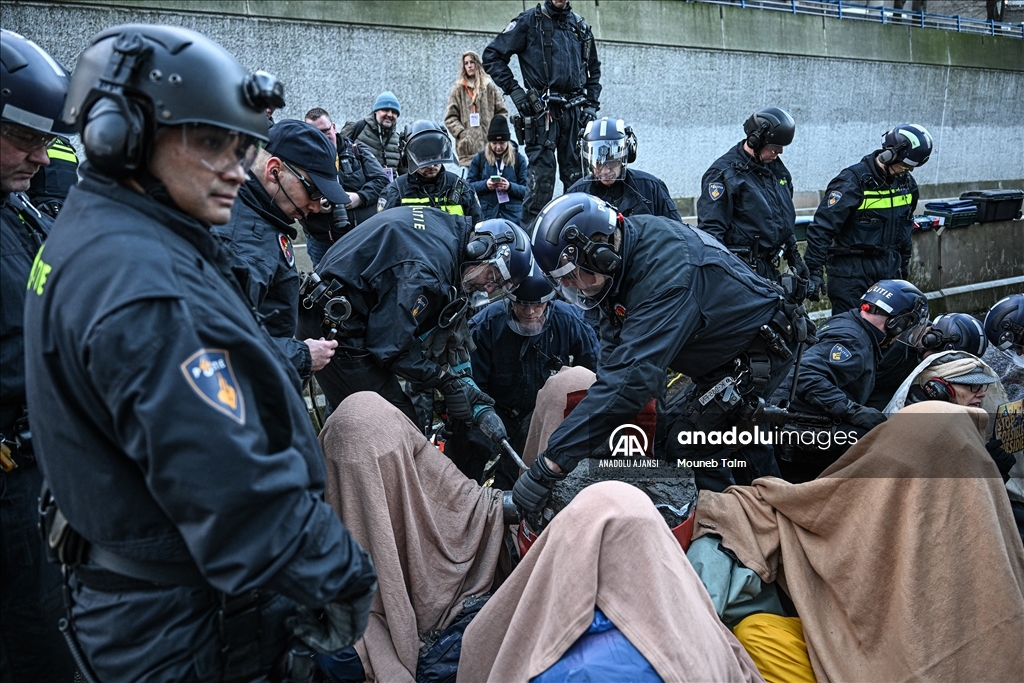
354	370
850	276
555	135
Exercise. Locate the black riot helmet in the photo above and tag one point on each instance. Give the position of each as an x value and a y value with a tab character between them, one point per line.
769	126
134	78
571	242
1004	325
426	143
498	253
907	143
904	306
605	141
33	85
533	293
955	332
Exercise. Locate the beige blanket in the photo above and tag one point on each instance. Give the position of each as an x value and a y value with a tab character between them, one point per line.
902	558
433	534
609	548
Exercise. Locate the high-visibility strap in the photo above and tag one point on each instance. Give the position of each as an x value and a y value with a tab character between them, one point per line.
62	152
884	199
453	209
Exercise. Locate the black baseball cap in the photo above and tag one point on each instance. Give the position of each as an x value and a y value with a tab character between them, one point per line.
302	144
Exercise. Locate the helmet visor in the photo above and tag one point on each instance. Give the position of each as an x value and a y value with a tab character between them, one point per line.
527	320
579	286
606	159
219	149
490	278
428	150
912	335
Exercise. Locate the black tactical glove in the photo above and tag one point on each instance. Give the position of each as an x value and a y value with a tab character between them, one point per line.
337	626
460	395
797	265
522	102
491	425
588	114
814	285
533	488
1004	461
864	417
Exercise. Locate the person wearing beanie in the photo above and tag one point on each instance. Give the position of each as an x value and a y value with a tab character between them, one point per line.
497	174
294	176
473	102
378	132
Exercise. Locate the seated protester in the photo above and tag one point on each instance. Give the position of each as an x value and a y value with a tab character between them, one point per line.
294	176
948	332
608	146
937	596
837	373
427	150
606	533
520	343
497	174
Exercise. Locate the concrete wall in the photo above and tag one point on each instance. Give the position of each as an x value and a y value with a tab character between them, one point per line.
685	75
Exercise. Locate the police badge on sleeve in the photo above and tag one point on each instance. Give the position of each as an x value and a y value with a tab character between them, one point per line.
716	190
286	249
839	353
833	197
209	374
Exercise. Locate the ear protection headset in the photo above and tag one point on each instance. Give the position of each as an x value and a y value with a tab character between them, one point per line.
935	340
938	389
755	140
599	255
890	155
631	145
484	244
113	134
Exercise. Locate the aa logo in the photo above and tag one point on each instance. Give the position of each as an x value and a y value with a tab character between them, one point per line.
628	441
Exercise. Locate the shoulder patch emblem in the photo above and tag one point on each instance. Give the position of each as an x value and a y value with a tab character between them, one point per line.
716	190
620	311
380	204
419	306
511	25
839	353
209	374
833	197
286	249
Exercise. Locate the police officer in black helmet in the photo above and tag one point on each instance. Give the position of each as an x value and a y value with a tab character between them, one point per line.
34	88
562	78
746	198
671	297
177	447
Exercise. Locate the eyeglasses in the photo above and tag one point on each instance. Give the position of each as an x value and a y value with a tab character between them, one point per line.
774	149
312	190
219	149
27	140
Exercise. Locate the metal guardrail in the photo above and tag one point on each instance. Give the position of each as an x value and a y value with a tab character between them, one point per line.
838	9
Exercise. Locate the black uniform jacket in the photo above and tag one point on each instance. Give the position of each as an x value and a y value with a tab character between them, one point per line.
573	66
399	269
22	231
839	368
169	427
259	236
445	191
636	194
741	198
682	301
864	209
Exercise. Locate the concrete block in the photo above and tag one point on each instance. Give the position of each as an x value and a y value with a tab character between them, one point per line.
981	252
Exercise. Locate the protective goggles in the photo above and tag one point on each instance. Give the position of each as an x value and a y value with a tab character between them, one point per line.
312	190
26	139
579	286
220	149
527	320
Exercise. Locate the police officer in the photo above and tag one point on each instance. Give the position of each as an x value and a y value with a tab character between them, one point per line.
1004	327
836	374
608	146
948	332
862	226
399	277
360	174
34	88
291	179
672	297
520	342
427	149
746	198
50	186
197	542
562	75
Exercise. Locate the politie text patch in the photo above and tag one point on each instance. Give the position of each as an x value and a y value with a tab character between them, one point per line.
209	373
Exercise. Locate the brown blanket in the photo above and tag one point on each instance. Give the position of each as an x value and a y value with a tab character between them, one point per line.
609	548
550	409
902	558
433	534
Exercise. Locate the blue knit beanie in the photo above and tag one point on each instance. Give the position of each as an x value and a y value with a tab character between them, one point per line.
387	100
